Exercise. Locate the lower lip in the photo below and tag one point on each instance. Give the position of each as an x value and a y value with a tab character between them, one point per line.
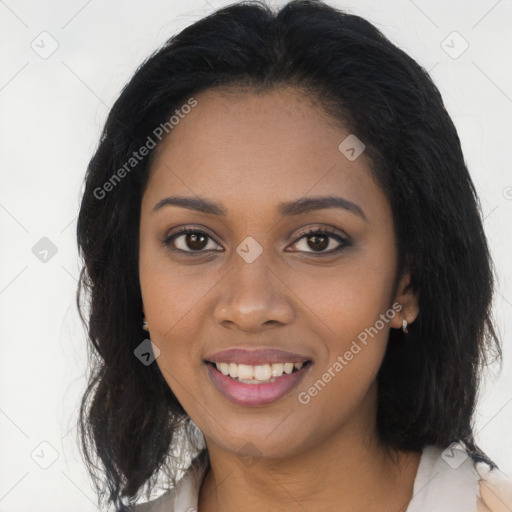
255	394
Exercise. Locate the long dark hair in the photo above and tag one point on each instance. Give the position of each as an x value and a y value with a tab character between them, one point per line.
428	384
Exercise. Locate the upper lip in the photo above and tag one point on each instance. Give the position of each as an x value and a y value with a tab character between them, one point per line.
256	356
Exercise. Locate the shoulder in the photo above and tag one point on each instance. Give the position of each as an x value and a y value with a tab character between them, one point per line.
450	480
184	496
495	489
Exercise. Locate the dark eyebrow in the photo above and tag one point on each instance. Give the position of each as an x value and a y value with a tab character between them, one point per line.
192	203
309	204
297	207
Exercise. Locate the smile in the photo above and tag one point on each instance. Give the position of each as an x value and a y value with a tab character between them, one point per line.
256	385
250	374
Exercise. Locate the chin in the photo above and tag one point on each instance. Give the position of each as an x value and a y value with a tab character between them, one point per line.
267	441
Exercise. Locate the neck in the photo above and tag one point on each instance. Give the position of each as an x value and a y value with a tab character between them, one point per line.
350	468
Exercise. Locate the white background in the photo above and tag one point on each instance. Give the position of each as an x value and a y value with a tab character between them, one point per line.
52	111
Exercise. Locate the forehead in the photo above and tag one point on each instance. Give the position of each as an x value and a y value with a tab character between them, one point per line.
275	144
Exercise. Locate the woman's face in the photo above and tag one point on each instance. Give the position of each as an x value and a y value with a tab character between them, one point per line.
250	280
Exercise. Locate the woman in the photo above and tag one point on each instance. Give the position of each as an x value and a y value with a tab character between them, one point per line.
283	248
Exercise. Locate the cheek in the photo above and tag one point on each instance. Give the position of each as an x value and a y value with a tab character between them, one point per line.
180	377
174	296
176	323
351	344
350	312
348	300
174	305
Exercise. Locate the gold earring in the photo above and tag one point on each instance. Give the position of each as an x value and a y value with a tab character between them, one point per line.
145	325
404	326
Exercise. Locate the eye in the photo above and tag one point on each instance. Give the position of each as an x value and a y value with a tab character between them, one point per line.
320	239
193	240
190	240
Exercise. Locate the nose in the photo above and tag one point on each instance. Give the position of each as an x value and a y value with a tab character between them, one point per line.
253	298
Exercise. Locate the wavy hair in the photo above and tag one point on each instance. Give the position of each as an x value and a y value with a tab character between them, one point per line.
130	421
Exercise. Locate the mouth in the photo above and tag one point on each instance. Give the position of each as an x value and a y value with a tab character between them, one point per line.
258	374
256	385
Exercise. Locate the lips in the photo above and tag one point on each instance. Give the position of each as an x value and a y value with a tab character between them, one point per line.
256	391
256	357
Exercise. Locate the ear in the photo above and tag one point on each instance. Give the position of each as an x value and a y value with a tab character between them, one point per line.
408	302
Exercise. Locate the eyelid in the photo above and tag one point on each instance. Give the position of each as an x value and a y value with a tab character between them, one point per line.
341	238
183	230
326	229
338	235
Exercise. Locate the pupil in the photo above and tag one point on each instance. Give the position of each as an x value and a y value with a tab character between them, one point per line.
323	244
197	242
194	239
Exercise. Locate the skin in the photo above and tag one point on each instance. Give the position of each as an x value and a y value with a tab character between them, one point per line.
251	152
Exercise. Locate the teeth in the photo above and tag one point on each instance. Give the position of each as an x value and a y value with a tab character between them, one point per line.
277	369
259	373
245	371
233	370
288	368
262	372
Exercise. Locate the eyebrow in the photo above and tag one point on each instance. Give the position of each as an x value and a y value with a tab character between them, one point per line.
290	208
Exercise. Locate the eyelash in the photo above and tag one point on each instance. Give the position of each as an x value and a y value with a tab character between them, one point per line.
344	242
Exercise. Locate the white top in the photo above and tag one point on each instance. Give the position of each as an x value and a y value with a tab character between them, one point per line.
446	481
